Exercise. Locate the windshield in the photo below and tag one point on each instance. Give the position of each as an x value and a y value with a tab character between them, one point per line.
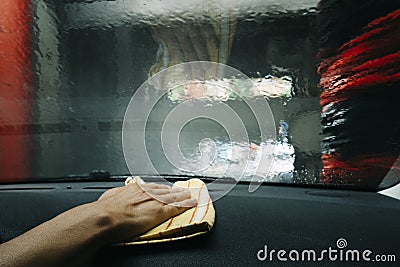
329	71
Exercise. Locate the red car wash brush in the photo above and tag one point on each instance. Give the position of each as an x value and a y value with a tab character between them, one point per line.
360	90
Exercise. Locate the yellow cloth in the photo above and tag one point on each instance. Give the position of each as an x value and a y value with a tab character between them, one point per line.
193	222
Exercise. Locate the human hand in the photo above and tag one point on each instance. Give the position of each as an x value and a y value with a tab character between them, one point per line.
134	209
76	234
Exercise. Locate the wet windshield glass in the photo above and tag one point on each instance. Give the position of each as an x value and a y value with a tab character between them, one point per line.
329	71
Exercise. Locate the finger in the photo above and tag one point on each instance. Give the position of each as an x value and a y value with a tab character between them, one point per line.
187	203
155	186
162	191
176	208
174	197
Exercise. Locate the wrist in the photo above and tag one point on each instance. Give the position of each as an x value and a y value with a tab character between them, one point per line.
98	224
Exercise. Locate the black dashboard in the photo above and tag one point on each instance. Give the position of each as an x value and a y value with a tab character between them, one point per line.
279	217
